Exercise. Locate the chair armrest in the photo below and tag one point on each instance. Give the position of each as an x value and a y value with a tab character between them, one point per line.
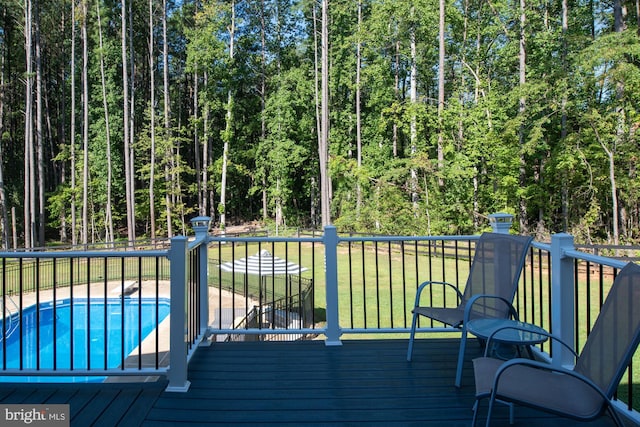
423	285
467	308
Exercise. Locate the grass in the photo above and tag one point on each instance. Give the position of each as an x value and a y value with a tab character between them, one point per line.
28	274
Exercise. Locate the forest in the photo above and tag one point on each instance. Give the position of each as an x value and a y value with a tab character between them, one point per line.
121	120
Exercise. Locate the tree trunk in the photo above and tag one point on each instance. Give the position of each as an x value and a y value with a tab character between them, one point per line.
620	25
228	127
564	192
85	126
167	115
316	93
441	56
39	132
323	146
358	110
263	100
205	156
125	119
72	125
3	195
196	135
610	152
152	126
132	113
109	237
29	175
638	17
521	110
396	91
413	97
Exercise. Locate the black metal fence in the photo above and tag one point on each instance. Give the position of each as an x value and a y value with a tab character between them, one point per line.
81	313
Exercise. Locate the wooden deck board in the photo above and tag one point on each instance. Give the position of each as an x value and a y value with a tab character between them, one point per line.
361	383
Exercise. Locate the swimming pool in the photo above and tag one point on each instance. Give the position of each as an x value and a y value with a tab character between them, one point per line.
86	334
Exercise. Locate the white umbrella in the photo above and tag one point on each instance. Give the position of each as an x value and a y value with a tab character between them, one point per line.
263	264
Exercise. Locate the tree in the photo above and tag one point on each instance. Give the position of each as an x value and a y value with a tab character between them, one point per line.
29	155
109	235
227	135
74	233
85	125
127	131
323	136
167	113
152	130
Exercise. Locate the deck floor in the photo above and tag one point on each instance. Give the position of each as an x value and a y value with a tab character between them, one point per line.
361	383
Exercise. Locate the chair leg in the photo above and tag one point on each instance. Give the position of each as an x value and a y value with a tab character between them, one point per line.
411	336
463	345
475	412
492	400
512	417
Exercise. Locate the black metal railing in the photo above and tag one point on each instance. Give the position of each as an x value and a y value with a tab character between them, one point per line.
294	311
242	296
80	313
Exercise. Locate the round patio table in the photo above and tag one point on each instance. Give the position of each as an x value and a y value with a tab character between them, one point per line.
503	331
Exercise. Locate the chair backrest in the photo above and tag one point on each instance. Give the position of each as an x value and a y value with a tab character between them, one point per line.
615	335
495	270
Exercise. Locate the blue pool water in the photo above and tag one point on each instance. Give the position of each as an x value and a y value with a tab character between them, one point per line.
96	336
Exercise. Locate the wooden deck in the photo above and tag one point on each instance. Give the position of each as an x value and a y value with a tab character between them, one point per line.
361	383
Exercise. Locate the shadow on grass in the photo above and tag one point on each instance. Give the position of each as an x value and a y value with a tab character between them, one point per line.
319	315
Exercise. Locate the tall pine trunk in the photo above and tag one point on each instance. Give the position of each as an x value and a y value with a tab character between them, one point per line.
323	141
228	127
564	191
39	130
3	194
358	110
29	161
132	115
522	202
152	126
441	56
109	237
129	191
85	126
72	125
263	99
205	156
413	97
167	115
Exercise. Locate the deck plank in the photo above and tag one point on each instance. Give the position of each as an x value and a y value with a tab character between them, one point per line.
366	382
361	383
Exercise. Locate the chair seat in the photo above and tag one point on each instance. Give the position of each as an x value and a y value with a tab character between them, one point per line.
556	392
448	316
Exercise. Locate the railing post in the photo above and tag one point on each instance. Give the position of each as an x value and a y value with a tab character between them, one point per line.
562	299
501	222
177	374
331	273
200	227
